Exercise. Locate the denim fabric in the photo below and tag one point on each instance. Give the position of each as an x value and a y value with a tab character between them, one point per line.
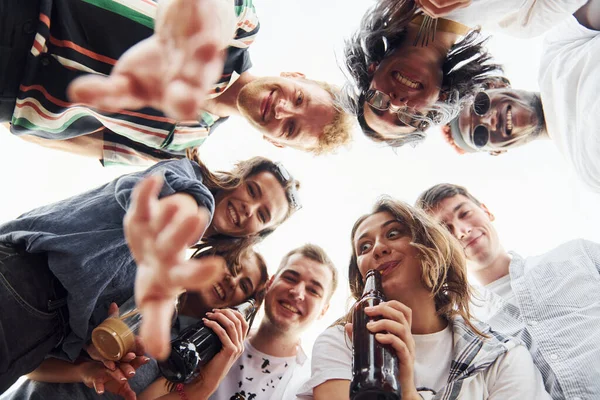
30	323
85	244
144	377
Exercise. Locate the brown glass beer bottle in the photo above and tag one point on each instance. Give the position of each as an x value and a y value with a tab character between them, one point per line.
196	346
375	366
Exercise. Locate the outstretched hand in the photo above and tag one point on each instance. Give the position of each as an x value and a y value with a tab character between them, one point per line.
158	232
173	69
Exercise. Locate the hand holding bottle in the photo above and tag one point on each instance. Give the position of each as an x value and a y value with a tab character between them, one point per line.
393	328
231	328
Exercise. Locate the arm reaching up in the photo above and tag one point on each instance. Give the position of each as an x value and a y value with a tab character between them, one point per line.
174	68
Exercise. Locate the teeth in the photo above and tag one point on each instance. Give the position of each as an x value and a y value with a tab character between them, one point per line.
290	307
509	124
220	291
233	214
405	81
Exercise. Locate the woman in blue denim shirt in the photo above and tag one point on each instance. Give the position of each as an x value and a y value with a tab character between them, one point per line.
62	265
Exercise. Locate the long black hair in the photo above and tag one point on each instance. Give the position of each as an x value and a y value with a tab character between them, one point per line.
466	67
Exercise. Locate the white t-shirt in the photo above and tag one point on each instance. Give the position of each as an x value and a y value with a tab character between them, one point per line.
521	18
259	376
512	376
569	84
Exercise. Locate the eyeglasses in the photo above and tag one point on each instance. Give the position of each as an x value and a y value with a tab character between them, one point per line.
381	101
285	177
481	106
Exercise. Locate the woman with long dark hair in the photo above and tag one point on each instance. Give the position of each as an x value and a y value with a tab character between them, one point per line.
404	77
426	320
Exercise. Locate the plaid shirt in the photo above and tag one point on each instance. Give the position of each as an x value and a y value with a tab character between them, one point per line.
76	37
472	355
557	316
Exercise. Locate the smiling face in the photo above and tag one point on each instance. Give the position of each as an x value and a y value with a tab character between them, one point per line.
381	242
472	226
289	110
221	288
259	203
298	294
514	118
411	76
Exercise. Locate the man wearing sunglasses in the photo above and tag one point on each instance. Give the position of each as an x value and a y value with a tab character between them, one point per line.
566	110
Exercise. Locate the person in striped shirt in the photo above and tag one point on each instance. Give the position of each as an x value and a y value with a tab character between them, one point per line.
160	77
551	302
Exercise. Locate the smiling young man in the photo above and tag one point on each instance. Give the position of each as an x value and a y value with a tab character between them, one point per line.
73	84
566	110
551	301
273	365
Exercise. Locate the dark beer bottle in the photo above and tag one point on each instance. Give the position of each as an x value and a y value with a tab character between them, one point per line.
375	366
196	346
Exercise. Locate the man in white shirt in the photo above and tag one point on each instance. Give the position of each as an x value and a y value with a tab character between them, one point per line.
551	302
273	365
566	109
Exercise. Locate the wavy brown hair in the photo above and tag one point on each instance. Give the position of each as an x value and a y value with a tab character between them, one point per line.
443	261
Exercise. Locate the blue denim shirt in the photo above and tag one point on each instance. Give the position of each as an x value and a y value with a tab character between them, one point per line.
84	240
144	377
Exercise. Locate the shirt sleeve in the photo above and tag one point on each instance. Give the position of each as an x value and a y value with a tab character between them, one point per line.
514	376
593	251
119	150
180	176
331	359
247	24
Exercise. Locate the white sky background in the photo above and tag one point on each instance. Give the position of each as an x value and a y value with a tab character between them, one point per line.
537	199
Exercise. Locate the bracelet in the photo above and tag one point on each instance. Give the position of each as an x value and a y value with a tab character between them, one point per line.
179	389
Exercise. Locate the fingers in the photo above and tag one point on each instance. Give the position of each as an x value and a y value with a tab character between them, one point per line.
391	310
230	327
139	347
98	386
176	237
95	355
113	310
139	361
111	93
403	351
143	196
348	328
156	327
194	274
127	370
396	321
117	375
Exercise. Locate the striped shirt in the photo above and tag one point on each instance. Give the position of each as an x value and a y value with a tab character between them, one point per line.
77	37
556	313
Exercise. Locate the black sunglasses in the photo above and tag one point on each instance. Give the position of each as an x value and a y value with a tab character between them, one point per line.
381	101
285	177
481	106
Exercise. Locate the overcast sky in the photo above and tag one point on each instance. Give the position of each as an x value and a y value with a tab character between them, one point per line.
536	197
